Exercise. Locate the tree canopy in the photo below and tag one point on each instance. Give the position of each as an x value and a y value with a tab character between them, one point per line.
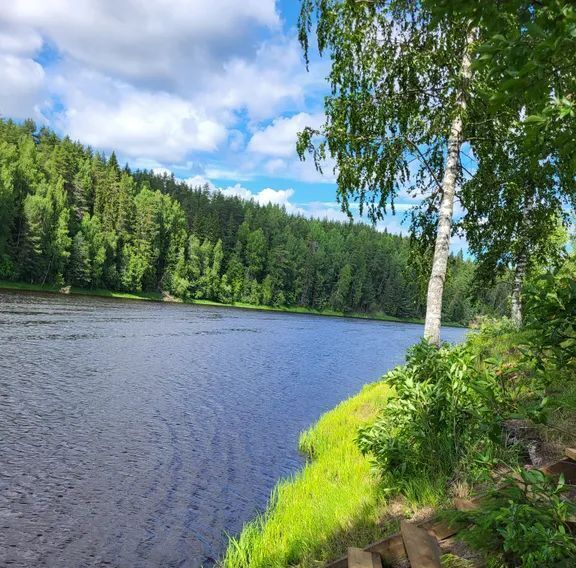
419	89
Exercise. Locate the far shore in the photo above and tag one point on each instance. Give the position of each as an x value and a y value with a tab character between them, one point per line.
166	298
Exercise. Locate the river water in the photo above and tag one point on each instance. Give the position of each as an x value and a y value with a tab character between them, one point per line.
137	434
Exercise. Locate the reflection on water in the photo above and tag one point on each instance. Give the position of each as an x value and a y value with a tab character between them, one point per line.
137	435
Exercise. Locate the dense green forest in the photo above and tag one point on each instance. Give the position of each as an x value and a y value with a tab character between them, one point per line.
73	216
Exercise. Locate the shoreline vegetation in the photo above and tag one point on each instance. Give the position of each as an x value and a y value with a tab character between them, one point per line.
73	217
410	445
166	298
333	502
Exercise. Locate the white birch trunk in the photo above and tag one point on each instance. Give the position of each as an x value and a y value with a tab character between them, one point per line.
444	230
519	274
521	264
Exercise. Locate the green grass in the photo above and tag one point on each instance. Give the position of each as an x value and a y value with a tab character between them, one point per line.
332	503
337	501
158	297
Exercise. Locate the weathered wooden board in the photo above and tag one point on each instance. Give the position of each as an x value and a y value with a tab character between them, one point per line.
422	548
564	467
391	549
466	504
570	453
359	558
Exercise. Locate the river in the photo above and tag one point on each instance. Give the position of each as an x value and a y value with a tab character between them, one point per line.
136	434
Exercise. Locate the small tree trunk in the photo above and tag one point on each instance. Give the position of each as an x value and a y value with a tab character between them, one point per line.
521	263
444	231
519	274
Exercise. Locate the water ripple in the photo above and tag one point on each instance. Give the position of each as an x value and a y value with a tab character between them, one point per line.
139	434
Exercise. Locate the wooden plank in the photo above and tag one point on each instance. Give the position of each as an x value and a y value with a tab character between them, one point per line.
570	453
391	549
358	558
564	467
422	548
442	529
340	563
466	504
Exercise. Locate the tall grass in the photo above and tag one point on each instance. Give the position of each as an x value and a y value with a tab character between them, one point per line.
332	503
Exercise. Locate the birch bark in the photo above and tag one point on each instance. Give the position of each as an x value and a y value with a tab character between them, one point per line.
444	230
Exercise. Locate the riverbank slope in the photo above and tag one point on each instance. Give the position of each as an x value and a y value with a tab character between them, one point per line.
332	503
429	439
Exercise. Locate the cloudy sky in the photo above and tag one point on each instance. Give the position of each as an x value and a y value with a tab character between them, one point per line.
212	90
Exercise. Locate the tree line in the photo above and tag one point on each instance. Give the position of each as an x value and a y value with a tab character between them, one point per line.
73	216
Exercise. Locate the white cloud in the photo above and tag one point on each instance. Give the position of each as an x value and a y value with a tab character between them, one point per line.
215	172
20	41
163	82
199	181
112	115
149	41
273	80
272	150
275	196
266	196
22	80
176	71
284	198
279	138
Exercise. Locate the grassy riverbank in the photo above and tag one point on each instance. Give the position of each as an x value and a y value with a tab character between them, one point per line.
158	297
447	441
334	502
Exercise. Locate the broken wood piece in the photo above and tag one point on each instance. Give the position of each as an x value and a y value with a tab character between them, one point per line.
566	468
570	453
358	558
422	548
466	504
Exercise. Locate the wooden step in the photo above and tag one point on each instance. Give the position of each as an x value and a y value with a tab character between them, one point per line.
422	549
391	549
358	558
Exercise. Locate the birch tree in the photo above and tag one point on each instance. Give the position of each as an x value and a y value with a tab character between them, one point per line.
524	184
514	207
400	80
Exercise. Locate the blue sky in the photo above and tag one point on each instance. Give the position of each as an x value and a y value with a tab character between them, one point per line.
211	90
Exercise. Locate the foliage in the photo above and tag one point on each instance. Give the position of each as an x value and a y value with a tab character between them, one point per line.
527	55
70	216
551	317
393	75
444	419
524	523
514	203
331	504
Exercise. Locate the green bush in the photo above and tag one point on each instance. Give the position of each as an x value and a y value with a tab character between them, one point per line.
523	524
443	420
551	317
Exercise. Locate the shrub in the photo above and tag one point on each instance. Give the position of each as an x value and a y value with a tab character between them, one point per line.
523	524
444	419
551	317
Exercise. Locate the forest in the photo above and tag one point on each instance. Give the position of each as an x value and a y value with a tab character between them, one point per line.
72	216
